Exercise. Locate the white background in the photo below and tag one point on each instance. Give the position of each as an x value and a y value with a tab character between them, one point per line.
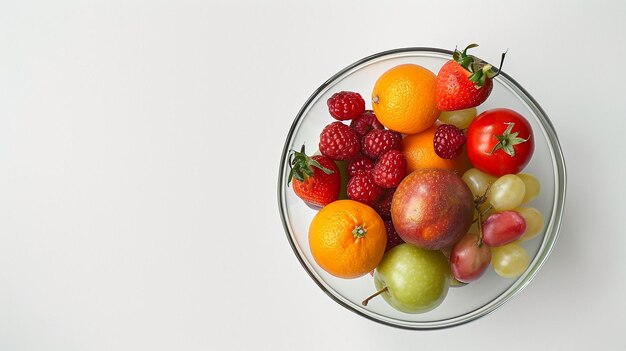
139	152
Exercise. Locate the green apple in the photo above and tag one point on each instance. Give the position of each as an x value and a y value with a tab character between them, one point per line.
412	279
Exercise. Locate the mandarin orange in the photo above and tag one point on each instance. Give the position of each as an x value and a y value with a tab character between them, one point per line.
347	238
403	99
419	151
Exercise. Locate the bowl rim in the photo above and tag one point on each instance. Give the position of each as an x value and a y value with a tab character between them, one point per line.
552	227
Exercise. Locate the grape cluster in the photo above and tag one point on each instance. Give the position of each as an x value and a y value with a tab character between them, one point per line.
503	219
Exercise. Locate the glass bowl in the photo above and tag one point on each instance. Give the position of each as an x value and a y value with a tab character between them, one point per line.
462	304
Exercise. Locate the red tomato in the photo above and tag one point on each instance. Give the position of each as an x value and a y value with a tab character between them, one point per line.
499	142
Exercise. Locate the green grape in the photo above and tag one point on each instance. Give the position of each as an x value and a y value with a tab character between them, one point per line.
534	222
459	118
510	260
506	193
477	181
532	187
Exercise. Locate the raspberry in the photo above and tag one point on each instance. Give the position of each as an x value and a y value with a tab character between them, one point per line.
362	188
393	239
346	105
359	164
339	142
383	206
448	141
390	169
364	123
379	141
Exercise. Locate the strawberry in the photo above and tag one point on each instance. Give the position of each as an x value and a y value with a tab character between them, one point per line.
362	188
379	141
339	142
390	169
448	141
464	82
316	180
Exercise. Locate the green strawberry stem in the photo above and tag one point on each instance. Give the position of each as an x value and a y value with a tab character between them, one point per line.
301	166
508	140
480	71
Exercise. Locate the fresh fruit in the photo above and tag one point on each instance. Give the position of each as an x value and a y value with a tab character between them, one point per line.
359	164
411	279
393	239
478	181
458	118
509	261
506	193
410	220
403	99
378	142
502	228
316	179
364	123
339	142
347	239
469	258
534	222
362	188
463	82
500	141
420	153
383	206
432	208
532	186
346	105
390	169
448	141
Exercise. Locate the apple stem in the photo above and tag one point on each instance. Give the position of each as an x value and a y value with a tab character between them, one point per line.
364	303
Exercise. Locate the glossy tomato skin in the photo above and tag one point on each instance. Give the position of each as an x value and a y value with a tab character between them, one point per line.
482	139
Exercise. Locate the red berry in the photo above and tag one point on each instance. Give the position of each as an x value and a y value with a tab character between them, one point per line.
464	81
339	142
454	90
364	123
393	239
346	105
362	188
448	141
316	179
378	141
359	164
390	169
383	206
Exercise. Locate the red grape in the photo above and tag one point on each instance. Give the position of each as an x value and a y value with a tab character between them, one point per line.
503	227
468	261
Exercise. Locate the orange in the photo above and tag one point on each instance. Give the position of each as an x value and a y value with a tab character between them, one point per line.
347	238
403	99
419	151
